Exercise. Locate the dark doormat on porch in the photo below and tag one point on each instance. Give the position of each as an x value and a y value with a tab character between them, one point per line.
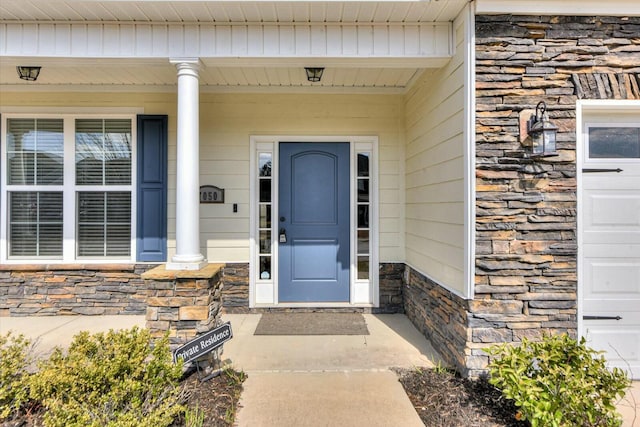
312	324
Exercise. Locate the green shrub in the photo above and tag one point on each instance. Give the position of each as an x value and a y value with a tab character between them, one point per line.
558	382
15	357
117	379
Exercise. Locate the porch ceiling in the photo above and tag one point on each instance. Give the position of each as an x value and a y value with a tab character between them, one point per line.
365	46
186	11
161	75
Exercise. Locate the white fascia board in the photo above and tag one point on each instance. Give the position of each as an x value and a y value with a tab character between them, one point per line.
559	7
161	40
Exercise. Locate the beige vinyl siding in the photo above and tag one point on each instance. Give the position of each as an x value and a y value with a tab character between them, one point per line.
434	176
226	123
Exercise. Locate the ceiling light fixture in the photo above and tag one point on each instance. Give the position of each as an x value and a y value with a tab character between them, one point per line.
314	74
29	73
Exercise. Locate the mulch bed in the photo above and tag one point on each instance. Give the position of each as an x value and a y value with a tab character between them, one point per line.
217	398
444	399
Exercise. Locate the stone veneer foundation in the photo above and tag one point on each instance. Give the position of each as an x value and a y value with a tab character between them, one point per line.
61	289
235	291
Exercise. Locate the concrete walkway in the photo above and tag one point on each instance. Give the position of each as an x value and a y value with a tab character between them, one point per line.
302	380
327	380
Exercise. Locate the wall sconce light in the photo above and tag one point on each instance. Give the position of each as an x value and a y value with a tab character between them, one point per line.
537	132
29	73
314	74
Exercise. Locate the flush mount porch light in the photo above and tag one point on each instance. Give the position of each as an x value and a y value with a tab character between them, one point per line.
314	74
542	132
27	72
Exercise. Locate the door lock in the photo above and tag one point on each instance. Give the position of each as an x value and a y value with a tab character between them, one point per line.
283	236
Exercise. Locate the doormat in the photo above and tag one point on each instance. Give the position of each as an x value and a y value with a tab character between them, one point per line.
312	324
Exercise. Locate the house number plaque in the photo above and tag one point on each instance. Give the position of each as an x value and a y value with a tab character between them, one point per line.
211	194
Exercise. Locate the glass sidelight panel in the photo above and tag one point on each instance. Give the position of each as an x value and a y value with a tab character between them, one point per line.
265	242
363	220
265	268
363	267
265	190
363	241
265	183
265	216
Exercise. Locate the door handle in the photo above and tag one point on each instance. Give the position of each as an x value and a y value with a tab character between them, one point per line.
587	170
601	318
283	236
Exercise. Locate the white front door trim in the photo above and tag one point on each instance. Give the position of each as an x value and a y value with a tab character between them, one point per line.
264	293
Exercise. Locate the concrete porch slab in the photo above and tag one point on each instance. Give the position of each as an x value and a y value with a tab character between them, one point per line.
393	342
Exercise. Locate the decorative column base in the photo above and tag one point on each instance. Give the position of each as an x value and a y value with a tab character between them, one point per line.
182	266
183	302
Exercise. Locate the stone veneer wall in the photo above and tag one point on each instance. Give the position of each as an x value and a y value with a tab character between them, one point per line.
183	302
440	315
526	251
235	290
391	288
59	289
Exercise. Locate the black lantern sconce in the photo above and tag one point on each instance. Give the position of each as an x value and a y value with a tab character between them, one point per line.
540	132
29	73
314	74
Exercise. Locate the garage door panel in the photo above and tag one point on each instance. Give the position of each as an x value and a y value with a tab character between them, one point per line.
612	211
613	250
626	309
602	237
620	344
619	183
612	278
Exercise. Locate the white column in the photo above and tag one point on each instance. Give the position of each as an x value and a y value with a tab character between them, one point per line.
188	256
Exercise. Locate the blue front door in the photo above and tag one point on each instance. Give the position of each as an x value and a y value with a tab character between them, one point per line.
313	226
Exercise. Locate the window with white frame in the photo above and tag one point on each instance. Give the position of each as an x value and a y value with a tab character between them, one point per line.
67	187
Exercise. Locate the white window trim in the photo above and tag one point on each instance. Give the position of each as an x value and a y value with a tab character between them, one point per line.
264	293
589	113
69	189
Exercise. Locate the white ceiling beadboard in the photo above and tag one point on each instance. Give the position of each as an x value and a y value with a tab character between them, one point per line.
182	11
109	76
243	45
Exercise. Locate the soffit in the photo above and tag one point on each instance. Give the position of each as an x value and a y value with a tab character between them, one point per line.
161	76
186	11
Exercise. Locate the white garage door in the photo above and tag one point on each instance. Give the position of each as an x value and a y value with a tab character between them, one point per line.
609	218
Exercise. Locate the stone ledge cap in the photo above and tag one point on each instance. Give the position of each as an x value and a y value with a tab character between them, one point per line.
68	267
161	273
